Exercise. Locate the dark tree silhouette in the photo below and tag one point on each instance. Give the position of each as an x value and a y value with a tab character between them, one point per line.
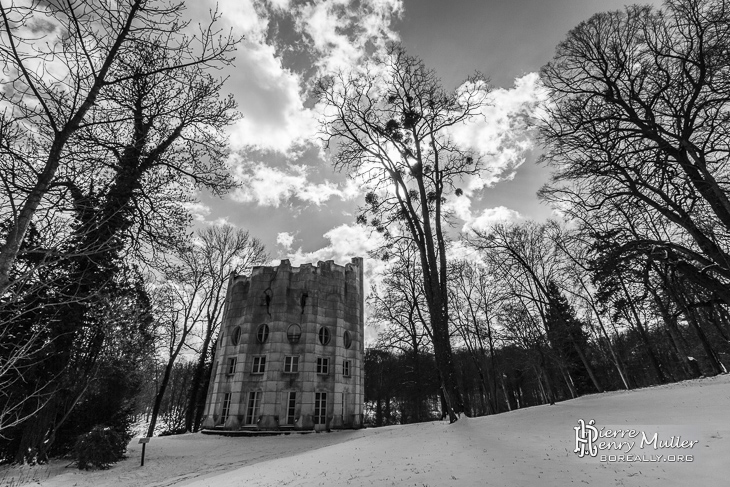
390	127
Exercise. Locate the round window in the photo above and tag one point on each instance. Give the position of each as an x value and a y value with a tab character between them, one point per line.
236	337
347	339
294	333
263	333
324	335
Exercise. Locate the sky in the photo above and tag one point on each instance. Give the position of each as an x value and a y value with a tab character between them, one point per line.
290	197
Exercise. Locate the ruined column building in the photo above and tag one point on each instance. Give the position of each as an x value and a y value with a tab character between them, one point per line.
290	351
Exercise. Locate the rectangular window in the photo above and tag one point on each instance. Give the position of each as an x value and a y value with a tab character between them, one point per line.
320	408
291	405
323	365
231	366
291	365
226	407
346	368
259	365
252	412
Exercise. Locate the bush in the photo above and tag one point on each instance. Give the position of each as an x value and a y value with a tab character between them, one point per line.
173	431
100	447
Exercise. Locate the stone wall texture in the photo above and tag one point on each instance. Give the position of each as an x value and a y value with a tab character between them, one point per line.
279	299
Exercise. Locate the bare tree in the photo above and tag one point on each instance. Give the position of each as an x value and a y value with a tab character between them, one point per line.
190	304
526	249
178	312
60	60
398	307
390	124
224	251
112	120
638	119
477	300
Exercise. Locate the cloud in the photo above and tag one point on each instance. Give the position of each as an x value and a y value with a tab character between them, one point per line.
460	251
222	222
280	4
334	33
271	186
501	134
491	216
270	100
198	210
246	16
342	32
285	240
460	206
346	242
269	95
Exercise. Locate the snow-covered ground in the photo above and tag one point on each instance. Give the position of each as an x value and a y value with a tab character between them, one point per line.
529	447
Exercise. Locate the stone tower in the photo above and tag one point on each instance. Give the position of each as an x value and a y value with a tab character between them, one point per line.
290	351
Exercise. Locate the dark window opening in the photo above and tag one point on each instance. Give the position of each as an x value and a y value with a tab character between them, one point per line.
236	337
346	368
320	408
324	335
323	365
231	369
254	399
291	364
259	365
226	407
347	338
291	408
263	333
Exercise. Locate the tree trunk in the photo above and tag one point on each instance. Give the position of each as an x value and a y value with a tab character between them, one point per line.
644	337
568	382
608	339
717	366
506	396
194	399
587	366
203	393
160	395
445	362
671	324
35	431
542	366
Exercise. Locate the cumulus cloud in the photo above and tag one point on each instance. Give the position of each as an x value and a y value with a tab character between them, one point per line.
280	4
501	134
491	216
459	250
246	16
343	31
346	242
336	33
222	222
271	186
285	239
270	100
460	206
198	210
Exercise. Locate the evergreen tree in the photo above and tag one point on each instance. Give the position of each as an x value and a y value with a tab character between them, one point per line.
567	338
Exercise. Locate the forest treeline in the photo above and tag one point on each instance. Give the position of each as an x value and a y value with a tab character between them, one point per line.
538	318
110	304
629	289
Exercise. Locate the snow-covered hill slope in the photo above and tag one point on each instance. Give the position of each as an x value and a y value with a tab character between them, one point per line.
529	447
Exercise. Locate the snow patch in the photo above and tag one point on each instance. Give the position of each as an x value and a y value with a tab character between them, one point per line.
533	446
